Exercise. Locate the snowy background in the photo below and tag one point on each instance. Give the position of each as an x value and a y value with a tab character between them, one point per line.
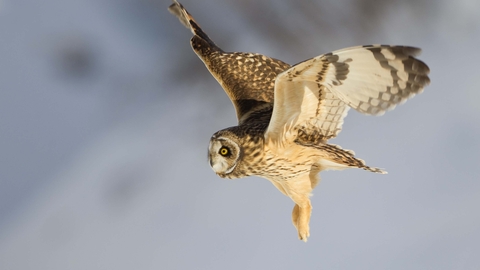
106	113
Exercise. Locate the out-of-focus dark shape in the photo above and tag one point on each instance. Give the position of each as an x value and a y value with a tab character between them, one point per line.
76	58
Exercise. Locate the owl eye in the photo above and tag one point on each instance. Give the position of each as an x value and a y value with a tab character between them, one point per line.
224	151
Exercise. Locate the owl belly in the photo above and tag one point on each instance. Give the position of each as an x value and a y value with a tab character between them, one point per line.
289	162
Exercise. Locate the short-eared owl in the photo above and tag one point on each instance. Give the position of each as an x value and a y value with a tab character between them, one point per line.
287	113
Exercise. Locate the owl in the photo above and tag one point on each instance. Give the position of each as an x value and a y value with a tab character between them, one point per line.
286	114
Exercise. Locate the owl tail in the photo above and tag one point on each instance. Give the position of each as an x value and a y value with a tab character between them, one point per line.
186	19
336	158
347	157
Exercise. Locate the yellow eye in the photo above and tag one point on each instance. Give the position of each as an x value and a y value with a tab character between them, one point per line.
223	151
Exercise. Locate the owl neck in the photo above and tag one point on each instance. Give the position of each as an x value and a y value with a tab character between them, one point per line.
253	156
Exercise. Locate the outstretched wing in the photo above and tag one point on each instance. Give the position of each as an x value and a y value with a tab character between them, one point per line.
247	78
313	97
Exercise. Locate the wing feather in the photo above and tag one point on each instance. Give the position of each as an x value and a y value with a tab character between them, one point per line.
247	78
313	97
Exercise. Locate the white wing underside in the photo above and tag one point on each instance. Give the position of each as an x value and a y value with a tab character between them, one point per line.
314	96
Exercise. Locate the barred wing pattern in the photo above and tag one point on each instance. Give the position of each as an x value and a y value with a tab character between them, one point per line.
313	97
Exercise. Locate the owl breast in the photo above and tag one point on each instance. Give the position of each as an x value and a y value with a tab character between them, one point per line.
288	161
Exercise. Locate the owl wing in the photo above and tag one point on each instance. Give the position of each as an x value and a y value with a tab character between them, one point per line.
313	97
247	78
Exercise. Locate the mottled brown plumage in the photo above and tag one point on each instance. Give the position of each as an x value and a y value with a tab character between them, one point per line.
287	113
247	78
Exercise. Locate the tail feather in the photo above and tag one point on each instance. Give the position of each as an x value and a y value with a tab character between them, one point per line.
338	159
347	157
188	21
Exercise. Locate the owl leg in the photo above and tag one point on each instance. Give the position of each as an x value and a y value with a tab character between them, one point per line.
296	208
299	191
301	213
295	214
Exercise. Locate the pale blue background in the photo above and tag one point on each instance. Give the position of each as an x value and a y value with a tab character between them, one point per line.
106	113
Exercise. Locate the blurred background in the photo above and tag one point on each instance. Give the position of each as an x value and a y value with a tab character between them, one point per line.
106	114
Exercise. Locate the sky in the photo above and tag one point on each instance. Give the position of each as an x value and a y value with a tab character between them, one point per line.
106	114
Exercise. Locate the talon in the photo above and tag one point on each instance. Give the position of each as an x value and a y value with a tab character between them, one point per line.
304	238
304	234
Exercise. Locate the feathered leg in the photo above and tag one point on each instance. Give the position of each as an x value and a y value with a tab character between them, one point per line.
299	190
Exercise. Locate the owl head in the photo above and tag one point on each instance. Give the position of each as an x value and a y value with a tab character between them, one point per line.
224	154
